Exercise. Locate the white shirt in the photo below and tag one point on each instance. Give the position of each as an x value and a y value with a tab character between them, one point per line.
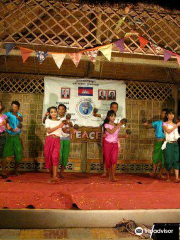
63	134
170	137
173	136
51	124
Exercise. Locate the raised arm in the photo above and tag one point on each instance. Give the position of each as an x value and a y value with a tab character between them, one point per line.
50	130
148	125
166	129
111	131
20	118
45	117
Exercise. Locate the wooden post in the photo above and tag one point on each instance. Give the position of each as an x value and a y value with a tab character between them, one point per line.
175	96
84	157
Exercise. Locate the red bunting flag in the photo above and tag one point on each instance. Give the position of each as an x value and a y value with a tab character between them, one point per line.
25	53
143	42
76	57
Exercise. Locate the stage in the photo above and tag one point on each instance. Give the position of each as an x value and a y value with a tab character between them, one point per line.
86	191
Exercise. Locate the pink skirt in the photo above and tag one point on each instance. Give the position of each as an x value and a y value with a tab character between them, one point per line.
52	151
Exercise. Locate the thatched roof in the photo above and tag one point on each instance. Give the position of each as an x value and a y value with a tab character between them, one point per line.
68	26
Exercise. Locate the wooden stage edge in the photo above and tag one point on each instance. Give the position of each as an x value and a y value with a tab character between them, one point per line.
52	219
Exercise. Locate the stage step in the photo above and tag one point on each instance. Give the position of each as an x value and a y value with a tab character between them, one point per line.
52	219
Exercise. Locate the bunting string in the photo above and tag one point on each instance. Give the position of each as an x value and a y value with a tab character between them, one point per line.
92	53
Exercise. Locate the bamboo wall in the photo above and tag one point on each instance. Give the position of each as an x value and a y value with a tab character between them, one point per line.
142	100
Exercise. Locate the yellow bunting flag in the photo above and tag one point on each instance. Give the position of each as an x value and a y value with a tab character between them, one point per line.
58	58
106	51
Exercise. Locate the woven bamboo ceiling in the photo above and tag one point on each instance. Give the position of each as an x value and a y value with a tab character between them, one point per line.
60	26
56	23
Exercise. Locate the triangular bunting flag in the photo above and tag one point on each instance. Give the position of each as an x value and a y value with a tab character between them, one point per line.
120	44
8	47
143	42
127	35
121	21
106	51
91	55
178	59
167	55
156	48
76	57
58	58
41	55
25	52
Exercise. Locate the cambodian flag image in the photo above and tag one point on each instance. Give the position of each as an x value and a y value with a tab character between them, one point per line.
85	91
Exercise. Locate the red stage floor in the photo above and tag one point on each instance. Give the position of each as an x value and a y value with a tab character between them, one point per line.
88	191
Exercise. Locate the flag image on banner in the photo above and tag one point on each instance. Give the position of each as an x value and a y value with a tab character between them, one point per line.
85	91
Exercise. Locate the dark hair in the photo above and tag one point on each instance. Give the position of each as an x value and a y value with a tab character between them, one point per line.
168	112
15	103
49	109
165	110
109	114
113	104
62	105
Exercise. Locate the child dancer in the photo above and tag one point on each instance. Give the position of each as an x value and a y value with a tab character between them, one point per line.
170	146
13	146
110	146
52	143
158	157
2	137
65	139
65	144
114	107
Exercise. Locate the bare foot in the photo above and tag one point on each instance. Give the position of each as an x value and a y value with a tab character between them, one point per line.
161	176
177	180
113	180
168	180
104	175
53	180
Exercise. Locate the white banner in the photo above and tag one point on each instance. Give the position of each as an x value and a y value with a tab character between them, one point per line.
82	95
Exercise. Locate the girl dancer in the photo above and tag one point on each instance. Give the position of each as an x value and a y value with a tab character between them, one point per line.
170	146
110	146
52	143
114	107
2	137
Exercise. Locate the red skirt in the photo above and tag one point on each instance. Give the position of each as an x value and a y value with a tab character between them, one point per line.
52	151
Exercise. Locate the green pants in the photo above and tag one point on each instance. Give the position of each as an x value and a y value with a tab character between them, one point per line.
64	152
2	144
158	156
171	156
13	147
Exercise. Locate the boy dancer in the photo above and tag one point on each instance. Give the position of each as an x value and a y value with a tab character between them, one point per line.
158	157
13	146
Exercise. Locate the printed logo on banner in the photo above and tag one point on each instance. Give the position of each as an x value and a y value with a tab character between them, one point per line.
85	91
84	108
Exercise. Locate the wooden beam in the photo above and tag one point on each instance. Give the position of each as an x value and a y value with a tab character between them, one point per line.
125	59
